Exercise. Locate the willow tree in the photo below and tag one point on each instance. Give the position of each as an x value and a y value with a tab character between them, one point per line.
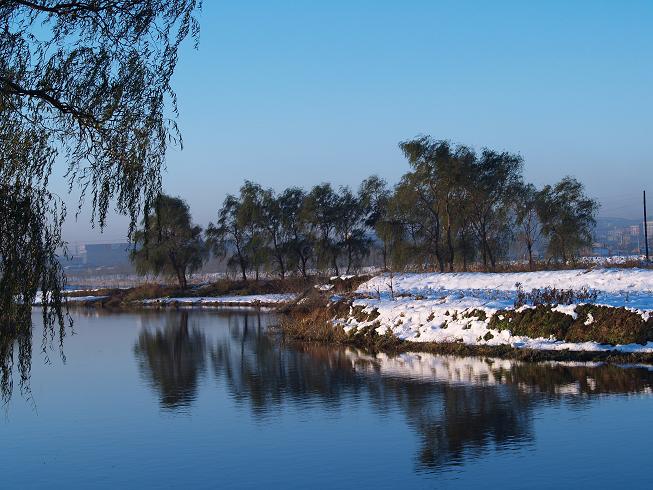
169	243
85	84
568	218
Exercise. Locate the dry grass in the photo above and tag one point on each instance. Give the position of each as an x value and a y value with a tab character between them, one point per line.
120	298
318	328
243	288
312	321
554	296
542	265
312	326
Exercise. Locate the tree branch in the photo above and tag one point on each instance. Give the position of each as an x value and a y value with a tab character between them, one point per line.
63	8
9	87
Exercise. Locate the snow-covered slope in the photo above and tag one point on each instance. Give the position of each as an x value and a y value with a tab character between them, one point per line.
247	300
606	280
457	307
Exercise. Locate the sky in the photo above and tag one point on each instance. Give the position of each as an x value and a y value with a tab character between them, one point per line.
294	93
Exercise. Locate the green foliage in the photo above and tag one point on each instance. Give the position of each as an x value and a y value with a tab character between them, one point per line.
321	212
94	79
529	228
453	195
454	207
169	243
568	217
241	229
296	246
289	232
88	84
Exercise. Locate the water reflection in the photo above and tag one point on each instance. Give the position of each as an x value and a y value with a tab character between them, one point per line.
262	373
172	359
459	408
451	419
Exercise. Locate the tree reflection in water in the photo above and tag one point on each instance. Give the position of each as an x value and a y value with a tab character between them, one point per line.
450	419
258	370
172	359
458	407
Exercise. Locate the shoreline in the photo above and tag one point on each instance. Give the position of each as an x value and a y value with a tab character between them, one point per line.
394	346
606	315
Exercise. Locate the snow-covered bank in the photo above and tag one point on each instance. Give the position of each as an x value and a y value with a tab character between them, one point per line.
606	280
248	300
459	307
38	301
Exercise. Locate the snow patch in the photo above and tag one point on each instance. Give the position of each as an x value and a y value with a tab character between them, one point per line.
449	307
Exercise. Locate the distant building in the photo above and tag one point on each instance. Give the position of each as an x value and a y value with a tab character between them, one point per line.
649	229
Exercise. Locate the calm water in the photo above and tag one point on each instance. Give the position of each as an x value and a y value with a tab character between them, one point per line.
202	399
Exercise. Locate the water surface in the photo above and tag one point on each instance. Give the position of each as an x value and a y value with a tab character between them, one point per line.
207	399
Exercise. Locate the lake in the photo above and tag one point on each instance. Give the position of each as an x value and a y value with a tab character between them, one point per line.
212	399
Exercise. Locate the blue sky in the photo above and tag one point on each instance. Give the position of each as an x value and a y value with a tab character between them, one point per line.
296	93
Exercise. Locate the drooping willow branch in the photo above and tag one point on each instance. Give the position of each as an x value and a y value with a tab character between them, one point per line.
86	84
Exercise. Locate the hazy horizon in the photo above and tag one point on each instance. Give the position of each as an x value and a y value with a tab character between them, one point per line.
291	94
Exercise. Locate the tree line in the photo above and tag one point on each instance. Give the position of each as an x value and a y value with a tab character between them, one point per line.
453	208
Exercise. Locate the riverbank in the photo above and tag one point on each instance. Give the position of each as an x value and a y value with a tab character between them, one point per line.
268	293
587	315
601	314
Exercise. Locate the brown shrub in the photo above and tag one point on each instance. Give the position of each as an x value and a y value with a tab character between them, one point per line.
553	296
348	285
609	325
532	322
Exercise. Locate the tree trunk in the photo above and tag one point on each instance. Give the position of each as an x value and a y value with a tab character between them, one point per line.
335	263
282	267
463	242
279	257
385	255
349	259
181	278
481	232
493	260
450	241
243	269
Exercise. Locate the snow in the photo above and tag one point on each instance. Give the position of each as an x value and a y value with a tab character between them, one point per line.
438	307
85	298
71	299
471	371
606	280
248	300
432	367
567	310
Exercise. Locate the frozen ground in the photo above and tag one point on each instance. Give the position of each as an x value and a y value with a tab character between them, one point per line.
72	299
249	300
439	307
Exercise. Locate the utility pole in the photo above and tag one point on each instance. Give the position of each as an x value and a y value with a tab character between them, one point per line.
645	228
